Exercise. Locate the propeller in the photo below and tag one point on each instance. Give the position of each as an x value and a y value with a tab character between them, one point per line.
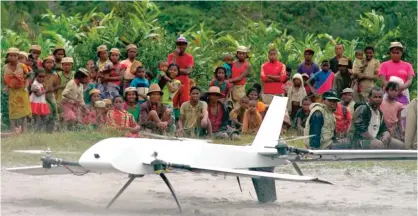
41	152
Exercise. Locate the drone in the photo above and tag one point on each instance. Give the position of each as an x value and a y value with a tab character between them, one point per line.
137	157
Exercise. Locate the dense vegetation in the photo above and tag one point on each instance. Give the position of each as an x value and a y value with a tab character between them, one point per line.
213	28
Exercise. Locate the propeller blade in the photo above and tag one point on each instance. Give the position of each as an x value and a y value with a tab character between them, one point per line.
239	183
171	189
153	135
43	152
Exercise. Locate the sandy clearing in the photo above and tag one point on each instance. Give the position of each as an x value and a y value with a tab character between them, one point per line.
376	191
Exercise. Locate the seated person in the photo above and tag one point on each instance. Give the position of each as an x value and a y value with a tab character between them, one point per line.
368	128
252	119
302	114
194	116
119	118
154	115
342	121
237	114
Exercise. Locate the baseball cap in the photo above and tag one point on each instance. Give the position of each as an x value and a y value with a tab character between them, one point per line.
330	95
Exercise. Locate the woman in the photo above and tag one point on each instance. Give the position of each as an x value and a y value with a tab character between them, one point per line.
240	70
15	75
132	103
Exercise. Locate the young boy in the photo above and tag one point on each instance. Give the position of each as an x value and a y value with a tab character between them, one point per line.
141	84
302	114
391	110
228	61
252	119
237	114
162	68
322	81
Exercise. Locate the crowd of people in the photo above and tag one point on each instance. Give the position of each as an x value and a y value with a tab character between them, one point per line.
338	103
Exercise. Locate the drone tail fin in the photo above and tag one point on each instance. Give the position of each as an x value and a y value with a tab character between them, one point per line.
269	132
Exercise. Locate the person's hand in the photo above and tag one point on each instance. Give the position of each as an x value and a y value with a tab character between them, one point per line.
385	137
163	125
179	132
360	76
177	51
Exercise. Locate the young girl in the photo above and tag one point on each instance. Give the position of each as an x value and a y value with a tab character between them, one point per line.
92	84
253	94
295	93
121	119
162	68
391	110
113	79
90	115
15	75
51	84
100	109
132	105
403	97
59	54
252	119
40	108
172	90
140	84
64	76
228	61
220	81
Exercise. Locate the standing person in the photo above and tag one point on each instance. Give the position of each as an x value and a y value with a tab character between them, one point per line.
240	70
141	84
228	61
367	78
322	81
36	51
103	61
73	98
391	110
272	75
194	116
64	76
321	122
90	64
186	63
220	81
132	105
129	65
114	77
369	129
40	109
411	125
51	84
308	66
172	90
252	119
342	78
59	54
347	99
92	84
339	54
15	74
296	93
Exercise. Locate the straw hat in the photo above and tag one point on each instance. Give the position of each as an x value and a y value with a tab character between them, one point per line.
100	104
84	71
101	48
347	90
242	49
35	47
214	90
58	48
154	88
49	58
24	54
67	60
395	44
115	50
94	91
107	101
131	46
343	62
13	50
130	89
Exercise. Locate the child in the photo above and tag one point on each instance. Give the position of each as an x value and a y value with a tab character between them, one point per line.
15	75
149	76
252	119
113	76
220	81
51	84
308	90
91	85
237	114
358	70
321	81
403	97
302	114
65	76
295	94
228	61
90	65
253	94
162	67
121	119
141	84
108	105
100	109
132	105
391	110
40	108
90	116
172	90
288	83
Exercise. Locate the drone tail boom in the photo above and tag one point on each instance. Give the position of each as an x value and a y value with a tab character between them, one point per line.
54	170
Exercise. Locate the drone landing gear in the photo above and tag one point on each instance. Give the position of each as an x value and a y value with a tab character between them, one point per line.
298	170
132	178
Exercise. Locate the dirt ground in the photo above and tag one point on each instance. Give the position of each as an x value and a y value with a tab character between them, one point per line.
375	191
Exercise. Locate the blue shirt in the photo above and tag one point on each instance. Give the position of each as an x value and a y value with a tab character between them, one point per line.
140	82
320	77
310	71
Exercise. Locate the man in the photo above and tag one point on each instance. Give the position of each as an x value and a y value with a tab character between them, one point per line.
186	62
272	75
129	65
321	122
369	129
367	77
194	115
308	67
322	81
155	115
347	99
342	78
339	51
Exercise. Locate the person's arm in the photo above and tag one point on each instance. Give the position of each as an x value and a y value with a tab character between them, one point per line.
263	76
382	74
36	90
180	125
242	75
172	87
316	122
309	82
281	77
205	112
186	71
245	123
407	83
234	118
361	122
143	116
299	124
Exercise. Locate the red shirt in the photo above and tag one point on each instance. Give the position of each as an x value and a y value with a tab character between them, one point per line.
184	62
224	87
275	68
216	120
236	71
342	122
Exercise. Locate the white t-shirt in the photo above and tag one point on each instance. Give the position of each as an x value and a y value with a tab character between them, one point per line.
374	123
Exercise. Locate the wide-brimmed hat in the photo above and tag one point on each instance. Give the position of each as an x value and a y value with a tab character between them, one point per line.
309	50
154	88
242	49
99	104
93	91
330	95
214	90
58	48
67	60
107	101
115	50
129	89
395	44
181	39
343	62
131	46
24	54
50	57
35	47
347	90
13	50
101	48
